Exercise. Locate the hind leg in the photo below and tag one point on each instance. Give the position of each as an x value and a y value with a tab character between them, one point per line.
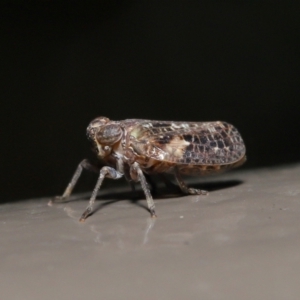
185	189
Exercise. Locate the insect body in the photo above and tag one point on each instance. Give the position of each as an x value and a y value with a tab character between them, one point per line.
133	148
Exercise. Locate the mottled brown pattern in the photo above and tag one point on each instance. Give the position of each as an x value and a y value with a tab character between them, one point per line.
209	143
133	147
197	148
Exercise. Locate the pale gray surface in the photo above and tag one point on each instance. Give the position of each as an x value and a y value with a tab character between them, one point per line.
239	242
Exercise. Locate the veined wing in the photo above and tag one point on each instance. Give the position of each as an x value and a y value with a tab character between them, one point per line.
203	143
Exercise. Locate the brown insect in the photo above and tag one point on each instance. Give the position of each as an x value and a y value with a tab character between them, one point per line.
133	148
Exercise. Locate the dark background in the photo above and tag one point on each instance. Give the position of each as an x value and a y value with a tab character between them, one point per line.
62	64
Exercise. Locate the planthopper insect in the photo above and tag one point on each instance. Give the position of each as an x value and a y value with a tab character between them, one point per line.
134	147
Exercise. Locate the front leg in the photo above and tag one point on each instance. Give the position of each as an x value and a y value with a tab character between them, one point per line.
85	164
138	175
104	172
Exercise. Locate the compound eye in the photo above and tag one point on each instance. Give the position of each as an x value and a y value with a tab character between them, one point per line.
109	134
94	126
98	122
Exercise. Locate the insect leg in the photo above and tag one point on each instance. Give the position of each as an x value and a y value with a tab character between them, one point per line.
185	188
126	171
85	164
151	183
135	169
169	184
104	172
